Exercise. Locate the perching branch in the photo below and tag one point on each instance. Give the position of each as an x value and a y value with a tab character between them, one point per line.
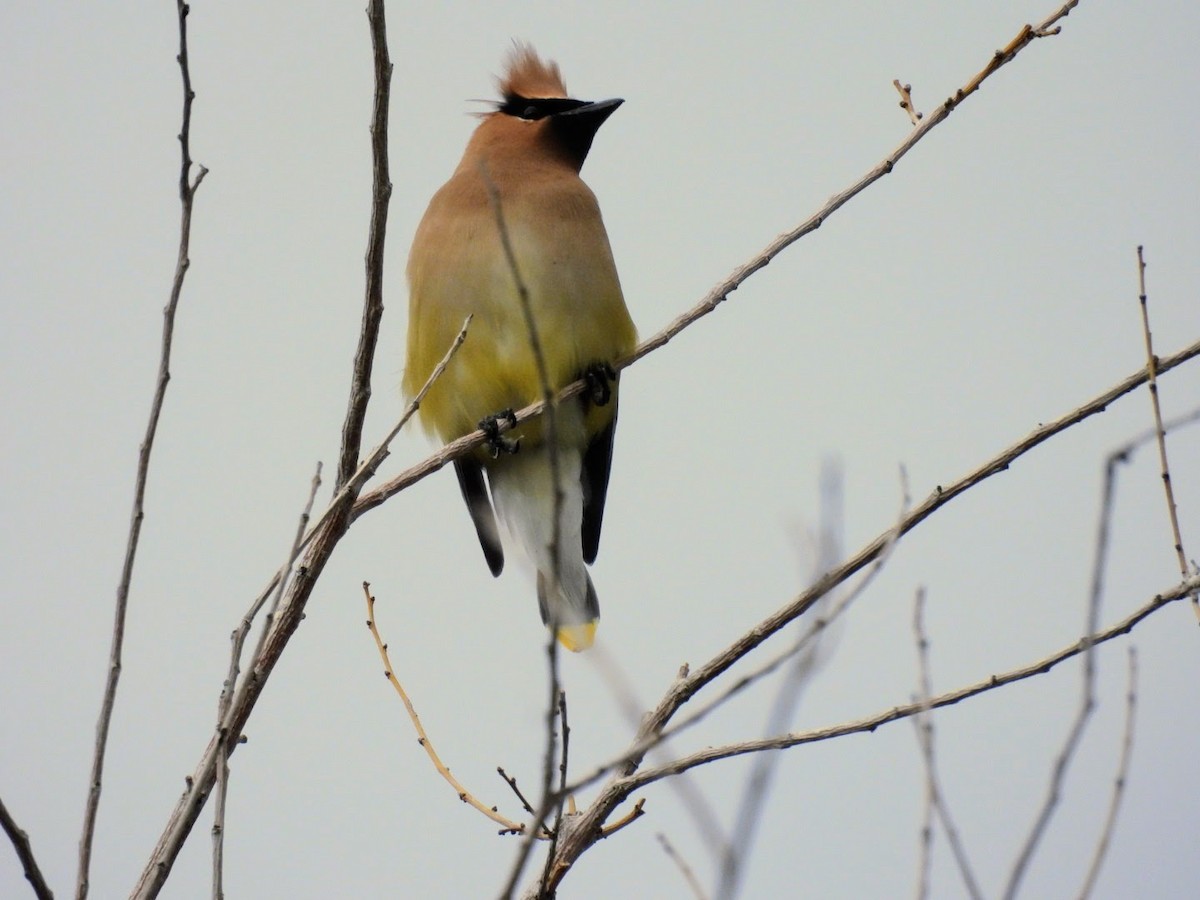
736	279
187	192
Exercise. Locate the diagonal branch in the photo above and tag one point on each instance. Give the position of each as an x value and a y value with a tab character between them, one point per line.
20	842
187	191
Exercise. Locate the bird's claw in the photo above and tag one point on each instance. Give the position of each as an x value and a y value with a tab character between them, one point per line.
490	426
599	378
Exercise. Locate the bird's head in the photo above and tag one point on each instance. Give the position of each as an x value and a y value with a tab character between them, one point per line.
535	109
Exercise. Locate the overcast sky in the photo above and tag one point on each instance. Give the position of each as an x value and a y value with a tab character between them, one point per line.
987	285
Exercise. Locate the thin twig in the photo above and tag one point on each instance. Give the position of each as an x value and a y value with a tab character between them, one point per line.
512	783
906	104
187	191
508	825
326	538
923	722
632	816
20	842
1151	365
681	864
1118	792
562	785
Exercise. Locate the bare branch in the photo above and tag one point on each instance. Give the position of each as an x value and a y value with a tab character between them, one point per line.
20	842
1151	366
187	191
512	783
1118	793
923	723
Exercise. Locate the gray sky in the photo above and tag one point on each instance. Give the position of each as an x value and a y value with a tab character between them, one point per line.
987	285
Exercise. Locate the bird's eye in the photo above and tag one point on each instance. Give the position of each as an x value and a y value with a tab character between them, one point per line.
530	112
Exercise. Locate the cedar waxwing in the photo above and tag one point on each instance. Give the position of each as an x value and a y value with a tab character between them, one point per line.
529	150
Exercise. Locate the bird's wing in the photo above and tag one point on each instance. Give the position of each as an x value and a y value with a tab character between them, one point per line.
597	460
470	480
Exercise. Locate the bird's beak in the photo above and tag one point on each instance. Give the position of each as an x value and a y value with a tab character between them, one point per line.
593	113
577	127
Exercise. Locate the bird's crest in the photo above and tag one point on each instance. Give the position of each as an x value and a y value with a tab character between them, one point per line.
527	75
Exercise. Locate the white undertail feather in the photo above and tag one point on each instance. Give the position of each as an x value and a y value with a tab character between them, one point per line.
522	490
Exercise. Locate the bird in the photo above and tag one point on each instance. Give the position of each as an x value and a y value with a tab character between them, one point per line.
519	177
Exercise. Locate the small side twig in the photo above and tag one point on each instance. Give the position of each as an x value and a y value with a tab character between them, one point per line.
20	842
681	864
935	797
512	783
187	191
639	810
906	104
508	825
1152	376
1118	792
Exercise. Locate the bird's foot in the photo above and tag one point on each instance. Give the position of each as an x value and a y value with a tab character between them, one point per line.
599	378
490	425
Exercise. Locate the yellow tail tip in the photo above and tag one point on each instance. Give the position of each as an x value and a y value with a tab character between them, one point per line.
577	637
